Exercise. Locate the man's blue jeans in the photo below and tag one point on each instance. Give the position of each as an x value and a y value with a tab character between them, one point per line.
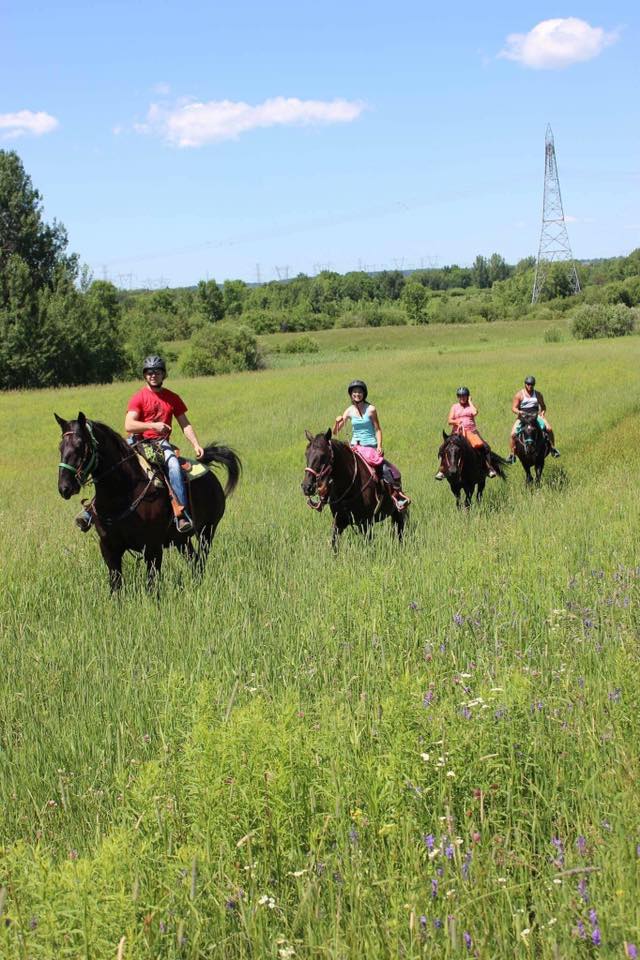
176	476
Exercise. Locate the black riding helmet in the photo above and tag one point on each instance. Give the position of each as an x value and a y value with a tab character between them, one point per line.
358	385
462	392
153	362
531	380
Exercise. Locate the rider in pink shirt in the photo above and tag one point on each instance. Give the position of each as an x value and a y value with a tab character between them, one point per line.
462	417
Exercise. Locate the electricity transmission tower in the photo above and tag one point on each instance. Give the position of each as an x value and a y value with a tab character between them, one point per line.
554	239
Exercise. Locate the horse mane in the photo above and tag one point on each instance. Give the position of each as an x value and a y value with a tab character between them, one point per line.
103	432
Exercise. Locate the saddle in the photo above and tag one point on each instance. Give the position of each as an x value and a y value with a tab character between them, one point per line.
151	459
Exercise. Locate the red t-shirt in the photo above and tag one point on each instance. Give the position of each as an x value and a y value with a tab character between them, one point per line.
152	407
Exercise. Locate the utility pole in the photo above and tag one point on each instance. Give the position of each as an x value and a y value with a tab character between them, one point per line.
554	239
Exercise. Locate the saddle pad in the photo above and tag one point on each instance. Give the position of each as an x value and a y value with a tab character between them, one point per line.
193	469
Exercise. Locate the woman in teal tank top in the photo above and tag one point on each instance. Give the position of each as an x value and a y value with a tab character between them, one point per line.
366	439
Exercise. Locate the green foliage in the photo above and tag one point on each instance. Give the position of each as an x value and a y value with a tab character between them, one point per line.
210	301
221	348
51	332
371	314
592	321
303	344
414	300
553	335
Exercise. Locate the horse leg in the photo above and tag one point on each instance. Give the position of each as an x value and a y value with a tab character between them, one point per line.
153	559
339	524
539	469
468	497
399	518
113	560
527	471
480	490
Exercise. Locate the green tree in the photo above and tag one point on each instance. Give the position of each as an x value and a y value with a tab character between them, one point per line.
210	301
221	349
414	299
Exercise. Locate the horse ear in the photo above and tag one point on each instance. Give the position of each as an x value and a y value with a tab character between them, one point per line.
64	424
327	435
445	436
308	435
81	419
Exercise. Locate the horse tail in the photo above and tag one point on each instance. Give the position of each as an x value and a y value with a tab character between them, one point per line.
498	463
226	457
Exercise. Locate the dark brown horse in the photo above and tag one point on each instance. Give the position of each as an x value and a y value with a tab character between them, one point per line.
464	467
130	510
532	446
336	477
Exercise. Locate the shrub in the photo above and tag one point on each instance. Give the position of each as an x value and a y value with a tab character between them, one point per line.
553	335
302	344
366	314
592	321
221	349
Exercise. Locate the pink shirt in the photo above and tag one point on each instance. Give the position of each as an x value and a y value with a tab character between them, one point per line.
464	417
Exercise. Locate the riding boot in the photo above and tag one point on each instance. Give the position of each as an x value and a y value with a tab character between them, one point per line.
400	499
84	520
439	475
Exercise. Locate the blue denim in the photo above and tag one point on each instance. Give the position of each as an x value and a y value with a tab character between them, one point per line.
176	476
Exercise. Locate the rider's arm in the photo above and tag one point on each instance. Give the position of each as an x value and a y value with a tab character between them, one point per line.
542	407
341	420
190	434
452	421
133	425
515	406
473	410
373	413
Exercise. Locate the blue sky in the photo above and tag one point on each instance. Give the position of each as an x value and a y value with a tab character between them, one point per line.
178	141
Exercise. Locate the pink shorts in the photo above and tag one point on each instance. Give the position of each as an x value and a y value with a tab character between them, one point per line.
370	454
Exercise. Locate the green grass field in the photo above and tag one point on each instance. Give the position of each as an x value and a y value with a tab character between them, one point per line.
418	751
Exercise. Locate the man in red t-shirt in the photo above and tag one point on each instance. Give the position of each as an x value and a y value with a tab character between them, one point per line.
150	412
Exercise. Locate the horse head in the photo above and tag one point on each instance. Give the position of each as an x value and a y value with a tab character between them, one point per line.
319	463
451	455
530	436
78	454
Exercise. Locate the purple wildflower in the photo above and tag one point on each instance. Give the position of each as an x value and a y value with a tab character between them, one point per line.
582	890
466	713
443	647
162	927
559	860
458	619
434	888
428	698
596	937
638	850
631	951
437	924
468	942
500	712
593	917
581	844
582	933
354	836
466	863
581	681
429	841
449	851
33	923
615	695
413	605
588	623
606	825
423	921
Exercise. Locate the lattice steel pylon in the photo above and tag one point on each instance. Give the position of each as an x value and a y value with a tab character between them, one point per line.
554	239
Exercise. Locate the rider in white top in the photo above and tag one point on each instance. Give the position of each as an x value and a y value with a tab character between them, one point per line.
530	400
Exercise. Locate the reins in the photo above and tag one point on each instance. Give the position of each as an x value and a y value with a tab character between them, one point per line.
326	471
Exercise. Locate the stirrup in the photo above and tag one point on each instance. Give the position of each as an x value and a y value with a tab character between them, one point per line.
439	475
84	521
184	525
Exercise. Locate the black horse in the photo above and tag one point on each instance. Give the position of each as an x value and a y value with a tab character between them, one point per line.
532	446
334	475
131	510
465	468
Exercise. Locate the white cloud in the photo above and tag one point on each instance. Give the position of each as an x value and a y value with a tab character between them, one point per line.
162	89
554	44
192	124
26	122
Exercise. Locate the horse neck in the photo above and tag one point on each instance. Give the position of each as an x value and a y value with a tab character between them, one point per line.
118	471
344	462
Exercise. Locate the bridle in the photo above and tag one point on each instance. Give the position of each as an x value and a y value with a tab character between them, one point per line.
445	457
324	474
84	471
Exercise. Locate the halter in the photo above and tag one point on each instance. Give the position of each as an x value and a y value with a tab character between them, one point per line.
83	472
323	496
445	457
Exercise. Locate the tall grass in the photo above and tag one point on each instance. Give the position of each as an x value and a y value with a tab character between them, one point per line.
418	751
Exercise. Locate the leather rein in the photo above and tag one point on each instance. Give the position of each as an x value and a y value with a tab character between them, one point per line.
324	474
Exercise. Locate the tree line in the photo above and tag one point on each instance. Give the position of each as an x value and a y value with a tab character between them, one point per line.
59	326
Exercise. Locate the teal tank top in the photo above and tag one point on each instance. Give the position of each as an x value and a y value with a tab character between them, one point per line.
363	430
